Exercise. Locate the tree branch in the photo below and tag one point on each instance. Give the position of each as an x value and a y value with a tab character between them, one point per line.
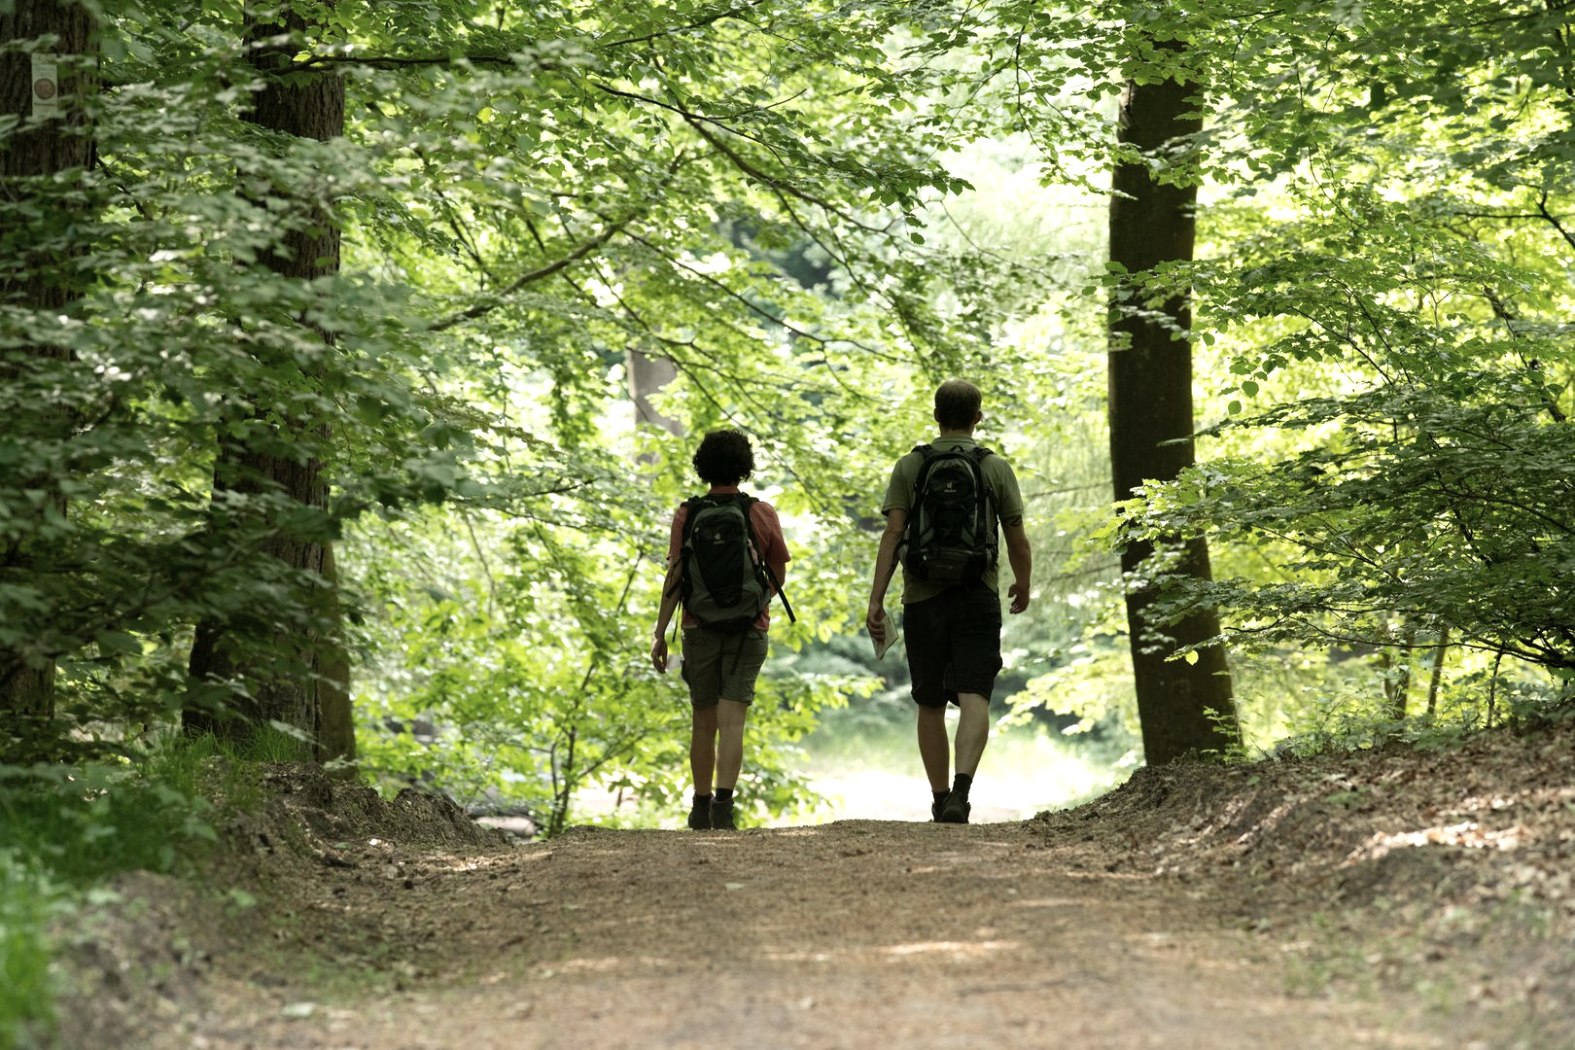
607	233
1542	209
726	10
401	61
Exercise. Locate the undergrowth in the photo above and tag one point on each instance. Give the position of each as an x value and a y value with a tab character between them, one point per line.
69	829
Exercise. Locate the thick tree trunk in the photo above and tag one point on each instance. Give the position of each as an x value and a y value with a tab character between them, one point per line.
1184	708
307	105
37	275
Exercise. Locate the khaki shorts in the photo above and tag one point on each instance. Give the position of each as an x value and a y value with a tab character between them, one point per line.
720	666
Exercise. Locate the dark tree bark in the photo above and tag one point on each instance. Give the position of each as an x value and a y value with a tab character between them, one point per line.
37	274
307	105
1184	708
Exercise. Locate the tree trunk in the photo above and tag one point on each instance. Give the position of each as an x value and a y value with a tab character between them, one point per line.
54	138
1436	678
647	376
307	105
335	722
1184	708
1395	662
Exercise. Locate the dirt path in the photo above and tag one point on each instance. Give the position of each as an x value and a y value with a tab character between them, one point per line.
1391	898
854	934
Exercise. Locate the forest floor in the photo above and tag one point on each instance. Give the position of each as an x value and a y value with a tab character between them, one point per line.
1387	898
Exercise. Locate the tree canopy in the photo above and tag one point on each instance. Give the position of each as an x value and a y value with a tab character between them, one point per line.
807	214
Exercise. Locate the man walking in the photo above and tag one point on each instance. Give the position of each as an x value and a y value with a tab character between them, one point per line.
942	507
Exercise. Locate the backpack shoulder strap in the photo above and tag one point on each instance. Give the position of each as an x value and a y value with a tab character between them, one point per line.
681	584
691	505
987	510
746	503
749	502
977	455
928	455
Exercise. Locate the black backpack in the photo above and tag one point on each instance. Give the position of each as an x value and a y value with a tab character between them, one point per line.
950	533
726	583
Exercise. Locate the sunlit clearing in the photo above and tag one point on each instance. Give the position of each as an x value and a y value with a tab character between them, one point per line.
874	773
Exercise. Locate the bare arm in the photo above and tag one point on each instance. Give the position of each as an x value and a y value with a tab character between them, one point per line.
664	614
885	566
1021	557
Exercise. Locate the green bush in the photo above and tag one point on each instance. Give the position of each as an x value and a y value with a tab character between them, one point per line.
69	829
28	899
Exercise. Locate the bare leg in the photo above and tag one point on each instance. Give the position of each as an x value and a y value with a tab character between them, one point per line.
934	747
702	748
973	731
730	715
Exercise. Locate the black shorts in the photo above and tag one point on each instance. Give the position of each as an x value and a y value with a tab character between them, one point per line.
954	644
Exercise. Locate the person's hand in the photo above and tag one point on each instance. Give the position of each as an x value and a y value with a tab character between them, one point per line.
659	654
1018	592
875	620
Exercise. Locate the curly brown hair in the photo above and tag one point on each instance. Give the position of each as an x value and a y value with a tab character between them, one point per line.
724	457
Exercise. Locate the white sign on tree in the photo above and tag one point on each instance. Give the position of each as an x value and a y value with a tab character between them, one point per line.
46	88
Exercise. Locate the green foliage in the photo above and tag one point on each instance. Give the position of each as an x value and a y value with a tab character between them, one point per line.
28	901
70	829
530	687
524	194
1384	279
87	822
811	212
178	345
525	680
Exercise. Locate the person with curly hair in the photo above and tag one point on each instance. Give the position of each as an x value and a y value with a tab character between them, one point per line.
720	664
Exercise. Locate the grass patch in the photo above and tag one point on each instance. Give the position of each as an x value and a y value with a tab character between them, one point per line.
69	829
28	900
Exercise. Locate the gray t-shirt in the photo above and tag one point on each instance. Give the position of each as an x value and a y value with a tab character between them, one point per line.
997	474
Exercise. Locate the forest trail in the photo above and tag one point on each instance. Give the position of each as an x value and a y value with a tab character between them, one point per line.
854	934
1384	898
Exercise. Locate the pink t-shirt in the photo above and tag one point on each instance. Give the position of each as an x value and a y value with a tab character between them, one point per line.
768	534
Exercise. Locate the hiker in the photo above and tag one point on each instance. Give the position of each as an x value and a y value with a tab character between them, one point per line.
941	507
725	559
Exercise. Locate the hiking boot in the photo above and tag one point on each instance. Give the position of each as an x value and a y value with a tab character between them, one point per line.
955	809
935	809
700	815
722	815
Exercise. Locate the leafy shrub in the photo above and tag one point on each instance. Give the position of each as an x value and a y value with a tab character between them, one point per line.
68	829
28	900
